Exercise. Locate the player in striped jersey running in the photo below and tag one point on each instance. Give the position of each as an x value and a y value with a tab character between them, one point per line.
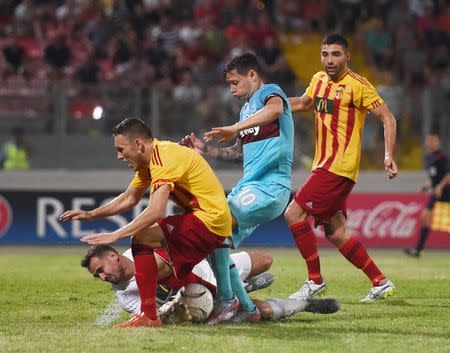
340	99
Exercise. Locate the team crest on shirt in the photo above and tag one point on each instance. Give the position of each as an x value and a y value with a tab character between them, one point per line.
339	92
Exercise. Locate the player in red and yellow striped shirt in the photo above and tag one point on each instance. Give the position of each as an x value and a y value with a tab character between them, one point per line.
341	100
170	171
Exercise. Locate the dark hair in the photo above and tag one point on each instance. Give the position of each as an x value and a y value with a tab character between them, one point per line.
133	127
243	63
96	251
335	38
434	132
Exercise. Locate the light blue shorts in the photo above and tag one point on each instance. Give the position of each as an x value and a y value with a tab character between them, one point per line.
253	203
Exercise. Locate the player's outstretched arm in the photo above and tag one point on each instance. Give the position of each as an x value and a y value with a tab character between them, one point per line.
121	203
154	211
383	113
271	111
300	104
233	153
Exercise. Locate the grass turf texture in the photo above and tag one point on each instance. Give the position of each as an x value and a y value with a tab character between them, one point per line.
48	303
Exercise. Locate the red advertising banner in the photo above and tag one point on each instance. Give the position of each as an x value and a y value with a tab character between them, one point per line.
387	220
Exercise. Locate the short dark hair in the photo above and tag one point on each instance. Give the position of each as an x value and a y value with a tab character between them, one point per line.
434	132
96	251
132	127
335	38
243	63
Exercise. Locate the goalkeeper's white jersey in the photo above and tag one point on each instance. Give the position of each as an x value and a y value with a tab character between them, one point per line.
127	292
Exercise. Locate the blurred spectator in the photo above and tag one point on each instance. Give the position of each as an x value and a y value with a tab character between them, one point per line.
211	109
350	11
314	11
393	94
398	16
435	36
424	21
379	42
15	153
136	73
197	49
99	31
444	19
166	34
418	7
414	64
25	19
187	96
289	16
186	91
14	59
215	40
155	54
261	30
57	56
67	9
190	33
229	11
269	54
119	51
236	33
203	73
440	59
284	76
208	10
89	72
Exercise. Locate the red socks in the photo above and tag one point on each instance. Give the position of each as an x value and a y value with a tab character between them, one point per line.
173	282
307	245
356	253
146	273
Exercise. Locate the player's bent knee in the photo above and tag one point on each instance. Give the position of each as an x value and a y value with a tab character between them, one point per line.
266	260
294	213
337	238
261	262
290	215
152	237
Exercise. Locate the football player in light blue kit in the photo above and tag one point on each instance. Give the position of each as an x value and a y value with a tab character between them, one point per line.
266	150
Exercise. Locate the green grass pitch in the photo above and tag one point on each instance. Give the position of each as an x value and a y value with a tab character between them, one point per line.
48	303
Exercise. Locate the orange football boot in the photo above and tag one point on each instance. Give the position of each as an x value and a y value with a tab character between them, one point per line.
140	320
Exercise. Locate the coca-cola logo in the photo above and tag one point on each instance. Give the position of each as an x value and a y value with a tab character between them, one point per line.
392	219
5	215
387	219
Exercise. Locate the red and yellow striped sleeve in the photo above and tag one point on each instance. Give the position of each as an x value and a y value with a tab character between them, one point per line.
364	94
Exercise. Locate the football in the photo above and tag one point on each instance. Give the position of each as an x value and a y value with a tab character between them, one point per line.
198	300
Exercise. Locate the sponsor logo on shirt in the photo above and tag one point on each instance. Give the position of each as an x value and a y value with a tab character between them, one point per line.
251	131
260	132
323	105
